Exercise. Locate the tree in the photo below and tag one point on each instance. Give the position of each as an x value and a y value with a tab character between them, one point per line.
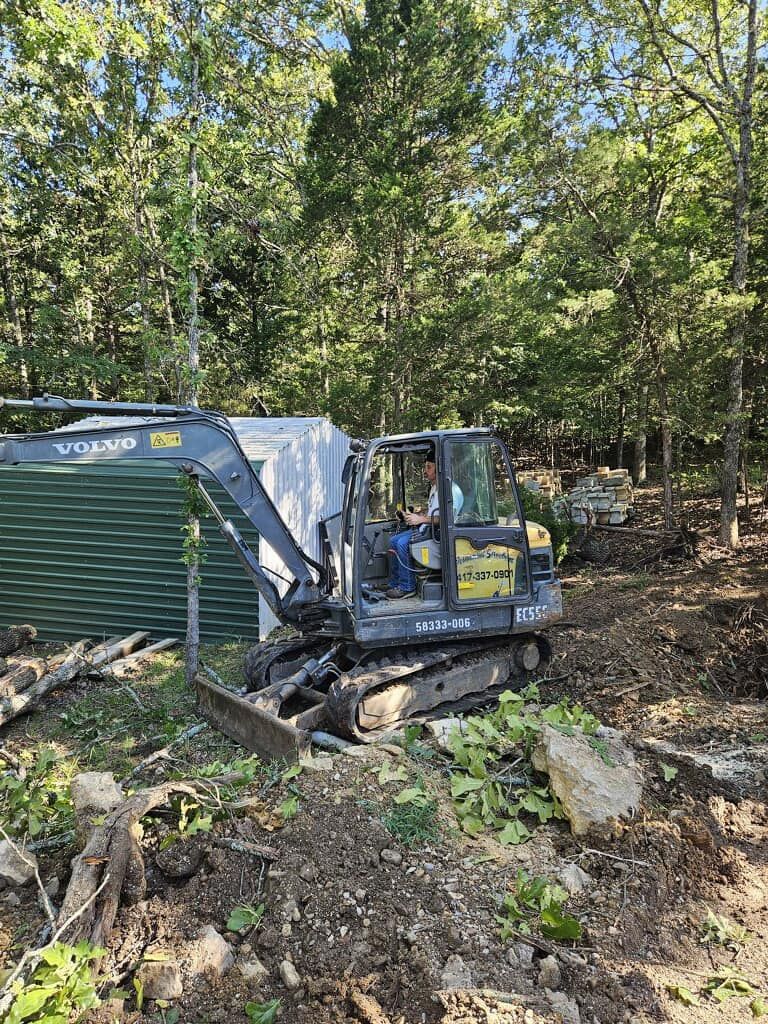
392	175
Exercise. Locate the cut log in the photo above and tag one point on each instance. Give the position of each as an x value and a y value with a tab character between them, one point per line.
15	637
125	666
22	674
69	669
116	647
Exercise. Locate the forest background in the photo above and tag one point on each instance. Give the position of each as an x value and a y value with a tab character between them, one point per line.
400	214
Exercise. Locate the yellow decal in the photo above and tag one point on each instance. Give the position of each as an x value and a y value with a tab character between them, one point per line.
485	573
168	439
425	555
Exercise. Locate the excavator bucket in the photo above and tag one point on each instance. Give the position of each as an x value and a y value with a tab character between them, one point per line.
253	728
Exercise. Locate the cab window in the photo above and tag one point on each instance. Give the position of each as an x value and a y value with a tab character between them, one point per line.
397	483
480	471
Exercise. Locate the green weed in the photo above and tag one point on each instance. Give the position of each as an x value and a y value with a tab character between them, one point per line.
493	783
263	1013
36	799
60	986
245	917
412	817
718	930
536	901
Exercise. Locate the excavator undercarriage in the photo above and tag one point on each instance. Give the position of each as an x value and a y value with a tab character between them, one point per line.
366	695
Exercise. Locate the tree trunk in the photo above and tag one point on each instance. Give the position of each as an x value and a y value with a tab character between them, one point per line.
193	350
639	466
622	418
13	312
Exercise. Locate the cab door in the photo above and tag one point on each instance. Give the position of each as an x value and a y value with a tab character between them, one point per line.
487	558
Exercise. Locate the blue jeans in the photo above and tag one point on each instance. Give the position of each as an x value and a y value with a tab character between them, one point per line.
401	574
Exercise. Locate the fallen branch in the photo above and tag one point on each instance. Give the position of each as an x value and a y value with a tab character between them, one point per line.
674	531
241	846
159	755
71	667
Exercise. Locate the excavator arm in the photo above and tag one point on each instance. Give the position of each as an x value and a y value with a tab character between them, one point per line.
204	446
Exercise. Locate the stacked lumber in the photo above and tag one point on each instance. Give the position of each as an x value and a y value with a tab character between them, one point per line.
603	498
543	481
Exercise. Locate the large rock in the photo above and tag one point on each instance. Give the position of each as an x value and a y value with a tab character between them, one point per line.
211	955
591	791
15	869
161	980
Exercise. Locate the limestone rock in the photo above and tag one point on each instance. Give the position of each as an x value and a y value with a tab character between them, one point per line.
161	980
211	955
290	975
565	1009
391	856
442	729
252	969
549	973
455	974
592	792
15	869
574	879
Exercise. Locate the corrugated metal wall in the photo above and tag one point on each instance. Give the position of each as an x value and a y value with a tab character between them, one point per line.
94	550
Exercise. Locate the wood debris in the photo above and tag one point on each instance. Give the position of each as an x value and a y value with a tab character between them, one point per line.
28	679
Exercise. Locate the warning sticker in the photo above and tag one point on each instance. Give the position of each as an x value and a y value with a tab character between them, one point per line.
168	439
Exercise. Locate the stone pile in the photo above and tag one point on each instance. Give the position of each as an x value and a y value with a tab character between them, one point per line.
545	482
604	497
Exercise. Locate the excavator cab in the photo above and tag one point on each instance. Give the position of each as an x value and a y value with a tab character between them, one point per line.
474	565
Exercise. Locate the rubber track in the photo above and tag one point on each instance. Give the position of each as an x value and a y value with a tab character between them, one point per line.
347	692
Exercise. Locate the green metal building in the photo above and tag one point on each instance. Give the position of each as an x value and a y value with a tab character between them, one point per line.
96	549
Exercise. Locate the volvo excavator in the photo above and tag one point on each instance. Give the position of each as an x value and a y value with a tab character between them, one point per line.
356	664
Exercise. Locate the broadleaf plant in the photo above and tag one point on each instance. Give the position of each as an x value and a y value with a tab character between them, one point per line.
493	781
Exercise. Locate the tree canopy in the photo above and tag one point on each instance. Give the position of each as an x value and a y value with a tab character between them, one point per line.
403	214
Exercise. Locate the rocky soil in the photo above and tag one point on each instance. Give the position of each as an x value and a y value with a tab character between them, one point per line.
358	926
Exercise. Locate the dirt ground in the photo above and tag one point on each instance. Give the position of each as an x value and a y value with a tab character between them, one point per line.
674	652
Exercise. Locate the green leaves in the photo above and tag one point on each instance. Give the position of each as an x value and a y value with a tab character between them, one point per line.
537	901
245	917
724	984
668	772
263	1013
38	799
719	930
487	790
60	985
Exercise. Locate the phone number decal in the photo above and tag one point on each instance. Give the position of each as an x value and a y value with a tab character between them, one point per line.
438	625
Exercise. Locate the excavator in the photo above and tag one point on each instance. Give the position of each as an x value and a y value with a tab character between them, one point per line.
354	664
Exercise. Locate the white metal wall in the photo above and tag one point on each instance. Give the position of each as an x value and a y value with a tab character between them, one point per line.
303	479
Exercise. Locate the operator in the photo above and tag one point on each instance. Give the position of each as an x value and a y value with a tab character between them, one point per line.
402	579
